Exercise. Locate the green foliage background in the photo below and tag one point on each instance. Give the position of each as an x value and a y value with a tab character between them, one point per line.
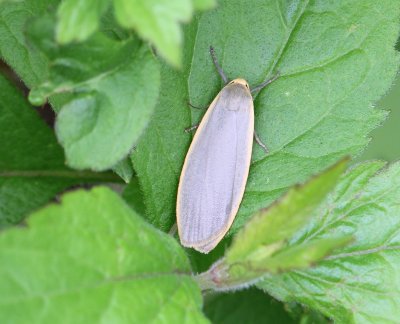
316	237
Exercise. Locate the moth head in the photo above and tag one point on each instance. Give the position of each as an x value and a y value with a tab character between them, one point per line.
243	82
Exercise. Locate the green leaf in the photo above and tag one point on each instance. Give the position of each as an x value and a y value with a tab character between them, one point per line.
360	282
299	256
260	248
336	59
112	87
157	21
250	306
93	259
77	19
32	169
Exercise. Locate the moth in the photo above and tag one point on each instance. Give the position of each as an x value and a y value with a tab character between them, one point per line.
216	166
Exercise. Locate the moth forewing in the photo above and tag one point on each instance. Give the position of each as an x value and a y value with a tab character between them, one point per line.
216	168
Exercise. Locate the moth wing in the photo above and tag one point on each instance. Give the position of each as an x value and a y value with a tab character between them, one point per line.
216	168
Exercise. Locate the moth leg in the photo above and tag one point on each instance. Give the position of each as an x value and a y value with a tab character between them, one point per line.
195	107
192	128
259	142
217	66
265	83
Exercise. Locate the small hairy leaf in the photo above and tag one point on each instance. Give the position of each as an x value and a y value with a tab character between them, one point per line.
299	256
92	259
280	221
359	283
